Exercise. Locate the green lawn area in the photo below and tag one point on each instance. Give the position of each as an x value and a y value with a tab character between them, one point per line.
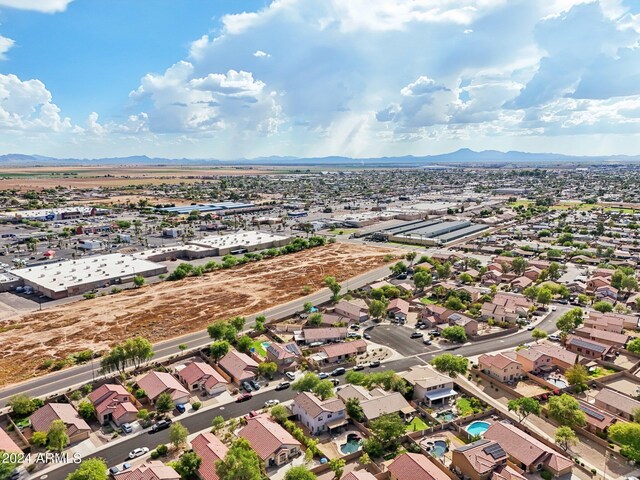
464	407
257	345
416	425
427	301
520	203
601	372
621	210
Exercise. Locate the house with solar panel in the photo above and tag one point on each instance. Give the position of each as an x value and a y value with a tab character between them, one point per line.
479	460
598	421
588	348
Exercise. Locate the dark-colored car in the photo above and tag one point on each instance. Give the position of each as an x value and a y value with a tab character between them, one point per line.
161	425
243	397
247	387
335	382
338	371
434	333
374	364
255	385
181	408
283	386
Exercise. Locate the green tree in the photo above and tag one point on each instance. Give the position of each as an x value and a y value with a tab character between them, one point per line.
454	303
315	319
260	321
544	296
603	307
217	330
267	369
337	467
39	438
307	307
217	423
451	364
377	308
280	413
399	268
555	271
577	376
565	437
324	389
164	403
422	279
240	463
538	334
138	350
629	284
238	323
178	434
566	411
388	430
139	281
86	409
634	345
627	434
89	469
523	407
244	344
22	405
455	334
57	437
464	278
188	465
306	383
531	293
331	283
299	472
143	414
354	409
519	265
569	320
219	349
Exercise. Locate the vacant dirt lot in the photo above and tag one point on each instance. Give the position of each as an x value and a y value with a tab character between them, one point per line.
170	309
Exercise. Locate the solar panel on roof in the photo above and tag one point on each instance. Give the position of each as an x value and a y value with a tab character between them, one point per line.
591	346
495	450
592	413
475	444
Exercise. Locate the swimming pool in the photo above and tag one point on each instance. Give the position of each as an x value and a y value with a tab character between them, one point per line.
265	344
445	417
558	382
439	448
477	428
351	446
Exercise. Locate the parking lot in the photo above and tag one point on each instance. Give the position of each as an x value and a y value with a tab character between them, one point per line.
398	338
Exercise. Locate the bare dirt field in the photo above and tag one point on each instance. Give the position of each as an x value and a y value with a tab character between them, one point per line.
170	309
84	177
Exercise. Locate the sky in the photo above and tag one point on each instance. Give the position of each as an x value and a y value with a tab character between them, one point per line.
235	79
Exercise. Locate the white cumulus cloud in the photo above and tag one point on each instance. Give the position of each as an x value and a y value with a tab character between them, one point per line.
46	6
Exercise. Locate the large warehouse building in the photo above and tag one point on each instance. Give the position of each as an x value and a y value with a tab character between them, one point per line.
431	232
52	214
209	208
74	277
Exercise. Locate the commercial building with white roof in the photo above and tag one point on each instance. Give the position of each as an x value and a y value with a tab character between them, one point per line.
51	214
74	277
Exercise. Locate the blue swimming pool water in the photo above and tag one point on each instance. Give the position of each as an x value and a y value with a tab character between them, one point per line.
445	416
350	447
439	448
477	428
266	344
558	382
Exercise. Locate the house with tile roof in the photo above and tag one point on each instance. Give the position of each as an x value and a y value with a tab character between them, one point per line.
113	403
430	386
616	403
358	475
7	444
319	415
339	352
77	428
352	311
210	449
153	470
415	466
502	366
602	336
544	357
398	308
239	366
525	451
321	335
273	444
156	383
285	355
587	348
598	421
198	375
478	460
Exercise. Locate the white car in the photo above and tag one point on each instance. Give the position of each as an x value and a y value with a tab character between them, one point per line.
138	452
271	403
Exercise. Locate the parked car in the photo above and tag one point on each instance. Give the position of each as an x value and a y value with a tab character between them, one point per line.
243	397
114	470
181	408
338	371
357	368
367	336
427	341
271	403
355	326
161	425
126	428
402	276
353	335
251	414
434	333
247	387
374	364
138	452
255	385
283	386
554	338
531	327
335	382
290	375
323	375
417	335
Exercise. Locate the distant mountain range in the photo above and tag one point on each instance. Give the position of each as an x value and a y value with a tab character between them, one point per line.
460	157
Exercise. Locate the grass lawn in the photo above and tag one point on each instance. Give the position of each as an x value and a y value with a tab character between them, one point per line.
464	407
427	301
521	203
416	425
601	372
257	345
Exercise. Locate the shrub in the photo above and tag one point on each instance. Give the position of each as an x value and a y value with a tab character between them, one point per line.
546	475
196	405
154	455
162	449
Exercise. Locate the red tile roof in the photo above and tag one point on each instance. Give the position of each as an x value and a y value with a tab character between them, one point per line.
266	436
154	470
239	365
210	449
414	466
42	418
7	444
155	383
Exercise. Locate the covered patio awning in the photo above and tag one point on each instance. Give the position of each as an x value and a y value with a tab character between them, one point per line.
440	394
337	423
